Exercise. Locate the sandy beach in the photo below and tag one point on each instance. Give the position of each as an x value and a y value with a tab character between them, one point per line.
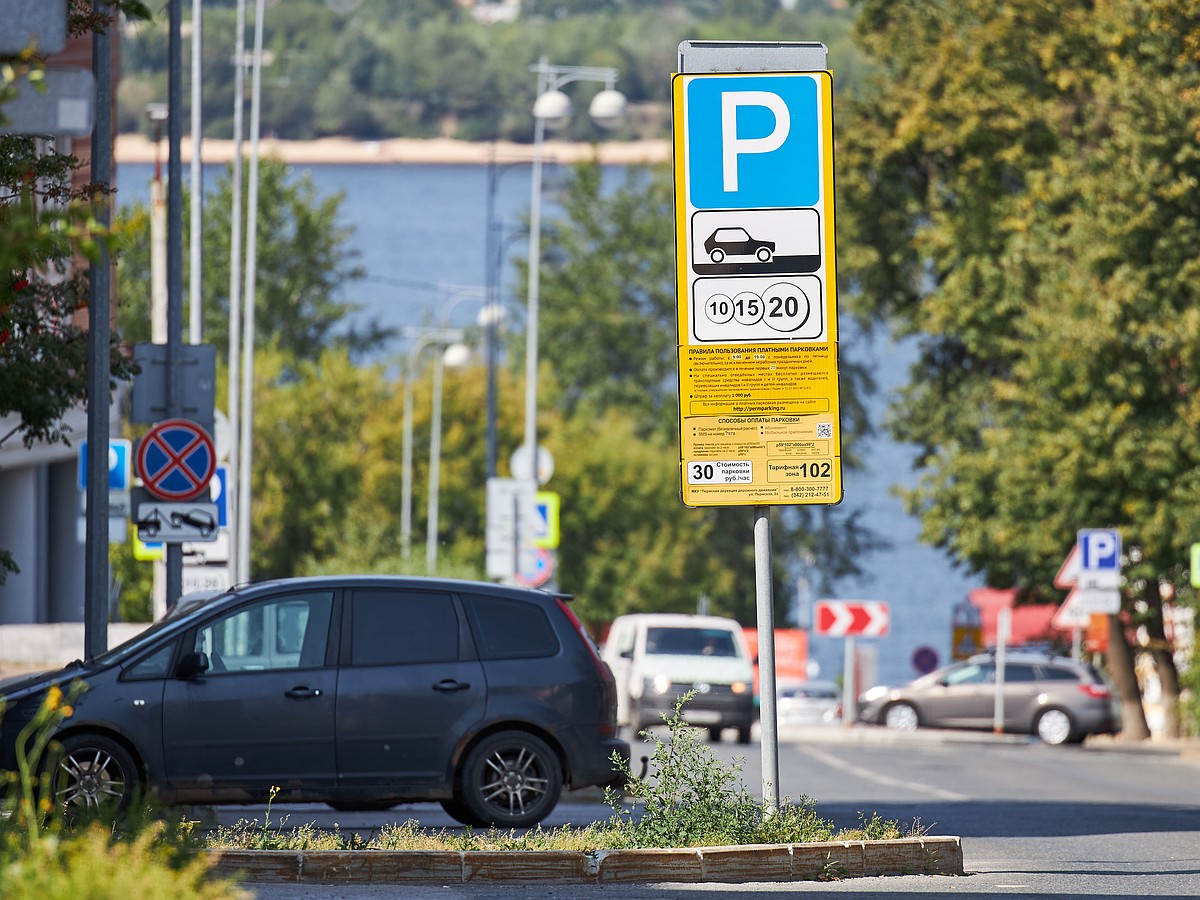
135	148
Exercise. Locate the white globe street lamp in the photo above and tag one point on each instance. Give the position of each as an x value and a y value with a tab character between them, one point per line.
552	109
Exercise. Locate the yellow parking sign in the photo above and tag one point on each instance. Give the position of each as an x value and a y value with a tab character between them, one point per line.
756	289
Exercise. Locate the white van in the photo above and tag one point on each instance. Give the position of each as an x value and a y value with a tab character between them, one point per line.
658	657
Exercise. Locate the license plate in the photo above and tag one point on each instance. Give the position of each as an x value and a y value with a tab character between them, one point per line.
701	716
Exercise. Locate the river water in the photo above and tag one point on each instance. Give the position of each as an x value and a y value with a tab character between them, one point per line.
420	234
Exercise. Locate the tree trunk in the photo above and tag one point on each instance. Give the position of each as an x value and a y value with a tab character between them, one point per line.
1120	668
1164	662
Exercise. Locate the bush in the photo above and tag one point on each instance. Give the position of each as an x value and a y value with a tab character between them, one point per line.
690	799
45	855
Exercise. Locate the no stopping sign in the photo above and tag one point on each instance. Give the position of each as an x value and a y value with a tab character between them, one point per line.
176	460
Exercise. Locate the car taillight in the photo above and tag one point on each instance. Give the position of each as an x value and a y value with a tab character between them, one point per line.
607	680
1095	691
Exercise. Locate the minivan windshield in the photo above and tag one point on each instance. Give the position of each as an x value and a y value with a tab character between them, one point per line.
690	642
188	606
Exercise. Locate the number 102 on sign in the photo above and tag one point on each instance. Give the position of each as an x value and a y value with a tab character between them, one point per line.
733	471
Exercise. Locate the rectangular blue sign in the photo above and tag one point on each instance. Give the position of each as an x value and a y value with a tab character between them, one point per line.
1099	550
119	454
753	142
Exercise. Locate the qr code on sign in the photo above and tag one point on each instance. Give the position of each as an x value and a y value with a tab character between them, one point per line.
824	429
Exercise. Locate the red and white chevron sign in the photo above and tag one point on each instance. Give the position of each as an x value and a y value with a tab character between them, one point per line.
850	618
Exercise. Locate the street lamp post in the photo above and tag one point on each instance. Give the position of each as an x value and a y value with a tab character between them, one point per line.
430	338
493	259
552	108
455	355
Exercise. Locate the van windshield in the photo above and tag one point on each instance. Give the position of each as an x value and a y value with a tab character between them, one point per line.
690	642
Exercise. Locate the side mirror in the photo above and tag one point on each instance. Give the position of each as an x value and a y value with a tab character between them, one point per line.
191	665
627	654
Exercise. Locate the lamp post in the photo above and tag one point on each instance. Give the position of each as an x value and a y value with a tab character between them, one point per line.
493	259
551	109
430	338
455	355
157	113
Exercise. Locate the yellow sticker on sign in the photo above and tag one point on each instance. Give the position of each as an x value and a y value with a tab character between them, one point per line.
756	289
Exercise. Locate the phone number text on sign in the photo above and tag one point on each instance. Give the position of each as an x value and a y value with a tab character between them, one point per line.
732	471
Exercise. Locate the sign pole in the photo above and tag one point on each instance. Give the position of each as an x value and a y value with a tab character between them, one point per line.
849	685
768	721
752	127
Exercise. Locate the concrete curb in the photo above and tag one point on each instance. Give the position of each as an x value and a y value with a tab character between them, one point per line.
731	865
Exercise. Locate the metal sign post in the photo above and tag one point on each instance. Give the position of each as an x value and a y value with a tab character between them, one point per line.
757	325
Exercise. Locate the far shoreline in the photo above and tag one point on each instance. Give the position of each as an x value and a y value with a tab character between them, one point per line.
136	148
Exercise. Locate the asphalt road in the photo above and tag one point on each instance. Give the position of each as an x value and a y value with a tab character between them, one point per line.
1097	820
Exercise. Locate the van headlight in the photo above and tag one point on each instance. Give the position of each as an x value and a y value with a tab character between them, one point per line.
660	684
739	687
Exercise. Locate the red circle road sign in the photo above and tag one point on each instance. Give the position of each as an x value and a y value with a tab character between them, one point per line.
176	460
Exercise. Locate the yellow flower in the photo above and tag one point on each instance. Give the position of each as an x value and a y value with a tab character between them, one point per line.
54	697
68	711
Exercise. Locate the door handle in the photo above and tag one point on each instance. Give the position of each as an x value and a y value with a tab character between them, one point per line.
449	685
302	693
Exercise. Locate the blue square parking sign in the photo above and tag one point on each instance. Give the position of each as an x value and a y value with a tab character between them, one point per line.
753	142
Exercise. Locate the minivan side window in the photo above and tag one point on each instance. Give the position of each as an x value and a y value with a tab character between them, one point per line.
287	632
152	665
390	627
509	629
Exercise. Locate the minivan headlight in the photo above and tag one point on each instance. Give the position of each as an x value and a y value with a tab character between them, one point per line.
739	687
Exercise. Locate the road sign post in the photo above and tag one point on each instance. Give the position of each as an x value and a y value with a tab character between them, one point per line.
1091	574
850	619
756	313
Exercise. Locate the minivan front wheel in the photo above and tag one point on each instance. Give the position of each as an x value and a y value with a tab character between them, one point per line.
95	776
511	780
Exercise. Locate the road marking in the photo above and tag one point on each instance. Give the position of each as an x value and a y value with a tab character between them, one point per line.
869	775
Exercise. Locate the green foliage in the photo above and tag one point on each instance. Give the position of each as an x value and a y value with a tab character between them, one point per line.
420	69
608	295
1018	189
689	798
91	863
48	229
48	855
308	419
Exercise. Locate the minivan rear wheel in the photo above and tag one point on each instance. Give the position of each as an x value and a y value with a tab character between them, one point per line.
511	779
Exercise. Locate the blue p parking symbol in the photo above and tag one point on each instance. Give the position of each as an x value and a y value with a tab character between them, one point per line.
769	147
1100	549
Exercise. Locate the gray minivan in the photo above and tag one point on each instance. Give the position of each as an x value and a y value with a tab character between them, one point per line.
358	691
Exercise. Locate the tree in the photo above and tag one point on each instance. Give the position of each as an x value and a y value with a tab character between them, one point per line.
304	264
48	230
984	211
308	442
608	298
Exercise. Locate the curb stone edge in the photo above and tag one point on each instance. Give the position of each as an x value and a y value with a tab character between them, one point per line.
827	861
